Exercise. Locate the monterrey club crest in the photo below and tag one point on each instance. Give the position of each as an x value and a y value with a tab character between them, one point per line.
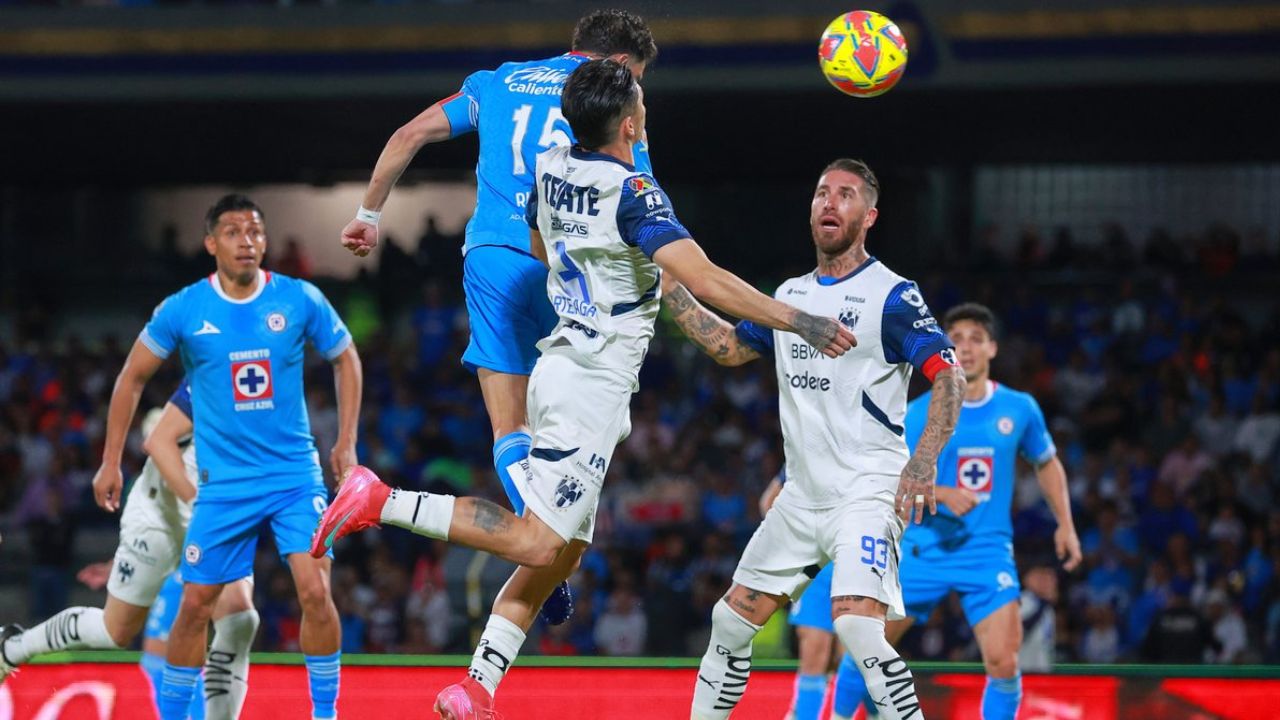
251	380
568	492
975	473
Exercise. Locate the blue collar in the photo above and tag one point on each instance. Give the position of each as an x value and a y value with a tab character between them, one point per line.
577	153
827	280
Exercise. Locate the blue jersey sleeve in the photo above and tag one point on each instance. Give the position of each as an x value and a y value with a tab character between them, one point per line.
1036	444
163	333
645	217
909	332
325	330
181	398
463	107
640	157
917	415
755	336
531	208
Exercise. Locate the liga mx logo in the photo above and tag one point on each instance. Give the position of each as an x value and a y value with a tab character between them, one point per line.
568	492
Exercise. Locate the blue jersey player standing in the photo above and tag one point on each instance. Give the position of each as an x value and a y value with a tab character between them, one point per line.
968	545
241	334
515	109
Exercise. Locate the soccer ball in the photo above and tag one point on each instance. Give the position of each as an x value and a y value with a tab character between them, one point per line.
862	53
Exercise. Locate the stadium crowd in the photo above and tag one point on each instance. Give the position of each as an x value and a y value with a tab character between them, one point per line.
1156	364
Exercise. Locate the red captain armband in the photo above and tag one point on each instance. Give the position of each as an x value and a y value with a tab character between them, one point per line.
938	362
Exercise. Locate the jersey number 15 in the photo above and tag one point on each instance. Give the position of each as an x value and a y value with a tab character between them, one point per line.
551	135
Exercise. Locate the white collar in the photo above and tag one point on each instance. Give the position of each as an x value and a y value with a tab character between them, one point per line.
991	391
217	287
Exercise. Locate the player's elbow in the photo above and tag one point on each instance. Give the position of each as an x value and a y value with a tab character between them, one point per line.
731	359
409	137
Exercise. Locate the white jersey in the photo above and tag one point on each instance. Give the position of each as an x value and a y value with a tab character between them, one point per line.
154	503
152	526
601	222
842	418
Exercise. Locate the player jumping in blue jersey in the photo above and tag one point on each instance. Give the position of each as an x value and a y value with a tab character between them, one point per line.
516	111
241	334
968	545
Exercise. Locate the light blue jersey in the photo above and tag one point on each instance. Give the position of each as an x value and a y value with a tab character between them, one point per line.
973	554
244	361
516	110
981	457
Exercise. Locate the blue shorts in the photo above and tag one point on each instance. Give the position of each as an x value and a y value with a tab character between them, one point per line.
813	607
223	534
507	308
164	609
983	574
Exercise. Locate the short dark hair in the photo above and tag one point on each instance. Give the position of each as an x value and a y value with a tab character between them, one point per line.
596	96
232	202
973	312
610	32
862	170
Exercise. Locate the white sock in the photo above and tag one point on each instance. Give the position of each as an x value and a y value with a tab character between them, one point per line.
76	628
424	513
499	645
722	676
889	680
226	667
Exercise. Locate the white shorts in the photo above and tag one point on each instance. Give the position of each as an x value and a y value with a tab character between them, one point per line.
793	543
577	416
151	534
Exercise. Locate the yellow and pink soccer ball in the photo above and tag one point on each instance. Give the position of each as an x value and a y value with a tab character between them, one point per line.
862	53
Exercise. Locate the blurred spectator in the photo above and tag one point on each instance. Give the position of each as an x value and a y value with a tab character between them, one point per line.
1178	634
45	511
1259	431
1039	595
1229	632
623	628
1183	465
1101	640
294	261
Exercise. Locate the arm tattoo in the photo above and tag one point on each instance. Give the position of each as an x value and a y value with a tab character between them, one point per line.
944	411
817	331
712	334
491	518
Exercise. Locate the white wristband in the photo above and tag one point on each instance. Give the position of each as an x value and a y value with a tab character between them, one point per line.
368	216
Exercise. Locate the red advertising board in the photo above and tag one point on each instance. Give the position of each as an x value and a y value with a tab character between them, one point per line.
114	691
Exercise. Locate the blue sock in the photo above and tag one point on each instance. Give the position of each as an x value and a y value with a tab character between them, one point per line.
322	675
850	690
196	711
153	668
1001	698
177	688
810	690
511	448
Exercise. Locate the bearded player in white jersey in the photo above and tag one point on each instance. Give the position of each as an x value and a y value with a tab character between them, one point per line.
607	233
851	485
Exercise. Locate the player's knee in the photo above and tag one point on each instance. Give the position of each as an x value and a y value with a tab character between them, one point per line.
541	552
1003	664
313	596
239	627
195	611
